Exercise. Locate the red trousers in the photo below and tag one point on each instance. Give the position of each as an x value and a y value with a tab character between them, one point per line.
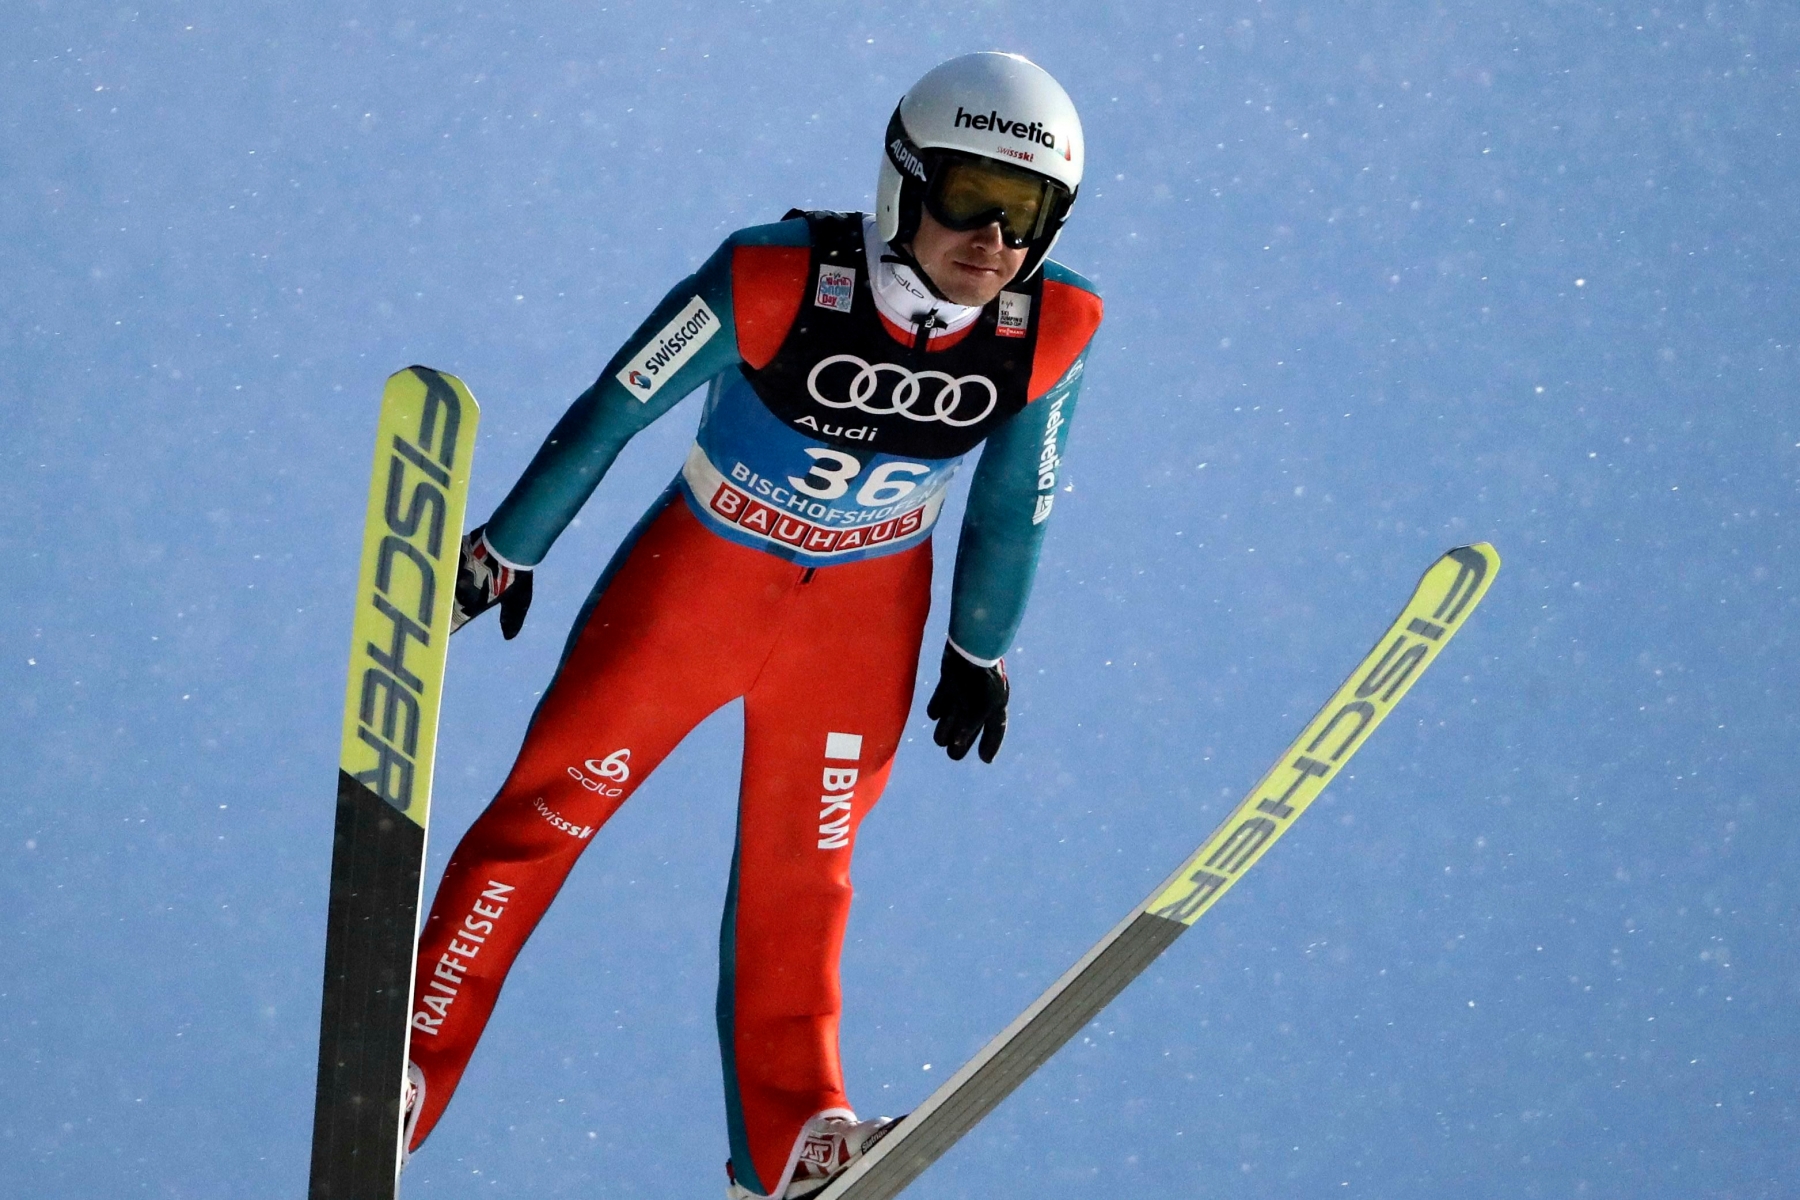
825	661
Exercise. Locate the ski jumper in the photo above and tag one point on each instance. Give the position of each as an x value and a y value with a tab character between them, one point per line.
788	564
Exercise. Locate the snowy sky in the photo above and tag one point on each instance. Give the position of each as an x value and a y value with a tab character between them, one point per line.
1381	277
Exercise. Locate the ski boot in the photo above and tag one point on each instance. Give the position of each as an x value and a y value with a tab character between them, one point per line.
829	1146
412	1101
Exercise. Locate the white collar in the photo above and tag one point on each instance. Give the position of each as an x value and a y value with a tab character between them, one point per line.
902	297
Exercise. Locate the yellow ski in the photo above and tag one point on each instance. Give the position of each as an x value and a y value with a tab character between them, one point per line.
412	538
1439	606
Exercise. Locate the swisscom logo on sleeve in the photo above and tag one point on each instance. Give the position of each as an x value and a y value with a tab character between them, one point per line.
669	350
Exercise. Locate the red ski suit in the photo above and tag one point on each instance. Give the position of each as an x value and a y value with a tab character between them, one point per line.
686	620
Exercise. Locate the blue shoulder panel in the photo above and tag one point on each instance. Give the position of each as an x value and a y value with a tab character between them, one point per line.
1055	272
780	233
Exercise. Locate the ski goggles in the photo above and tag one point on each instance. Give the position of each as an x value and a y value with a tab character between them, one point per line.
966	193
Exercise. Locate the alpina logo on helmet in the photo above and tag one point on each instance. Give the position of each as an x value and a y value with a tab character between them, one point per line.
906	160
1019	129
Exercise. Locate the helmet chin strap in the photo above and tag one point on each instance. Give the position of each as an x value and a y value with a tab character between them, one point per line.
906	295
904	256
928	320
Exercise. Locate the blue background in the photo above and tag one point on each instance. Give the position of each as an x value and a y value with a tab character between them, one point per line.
1382	278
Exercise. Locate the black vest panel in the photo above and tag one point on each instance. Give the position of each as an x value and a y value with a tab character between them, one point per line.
840	367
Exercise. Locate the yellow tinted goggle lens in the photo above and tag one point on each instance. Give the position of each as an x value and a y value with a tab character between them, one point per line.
970	195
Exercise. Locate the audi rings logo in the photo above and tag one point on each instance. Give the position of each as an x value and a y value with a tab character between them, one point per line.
916	395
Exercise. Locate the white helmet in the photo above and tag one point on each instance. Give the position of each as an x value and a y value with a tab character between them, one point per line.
997	107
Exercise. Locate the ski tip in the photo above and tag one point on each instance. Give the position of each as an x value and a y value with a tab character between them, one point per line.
432	378
1462	577
1481	556
426	373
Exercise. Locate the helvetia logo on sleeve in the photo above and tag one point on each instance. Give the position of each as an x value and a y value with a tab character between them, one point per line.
671	347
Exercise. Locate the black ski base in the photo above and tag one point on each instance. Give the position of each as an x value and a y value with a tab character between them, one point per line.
376	858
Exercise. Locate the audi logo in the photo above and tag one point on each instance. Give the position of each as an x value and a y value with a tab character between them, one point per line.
906	393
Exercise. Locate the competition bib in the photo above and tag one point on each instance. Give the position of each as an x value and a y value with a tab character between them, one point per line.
760	482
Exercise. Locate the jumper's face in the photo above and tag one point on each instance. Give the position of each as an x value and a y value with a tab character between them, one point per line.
969	268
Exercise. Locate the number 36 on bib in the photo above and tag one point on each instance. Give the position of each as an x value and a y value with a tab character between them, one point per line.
833	471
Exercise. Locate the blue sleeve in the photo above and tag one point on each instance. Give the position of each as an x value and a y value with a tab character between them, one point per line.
677	349
1004	524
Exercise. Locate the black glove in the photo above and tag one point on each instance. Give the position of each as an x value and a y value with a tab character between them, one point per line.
969	700
482	580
